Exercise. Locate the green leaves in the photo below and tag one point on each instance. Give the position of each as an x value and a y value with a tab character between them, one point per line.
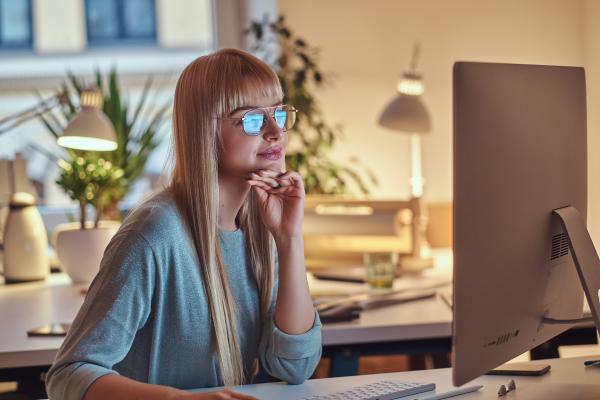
91	180
296	64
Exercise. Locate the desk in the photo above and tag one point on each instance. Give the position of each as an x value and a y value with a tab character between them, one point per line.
563	371
422	319
418	327
29	305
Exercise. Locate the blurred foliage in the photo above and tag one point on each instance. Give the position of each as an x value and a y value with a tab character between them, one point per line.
312	138
138	128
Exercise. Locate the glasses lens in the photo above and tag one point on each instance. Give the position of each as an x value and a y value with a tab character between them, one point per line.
281	116
253	122
285	116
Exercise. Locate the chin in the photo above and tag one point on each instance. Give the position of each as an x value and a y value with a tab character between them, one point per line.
274	165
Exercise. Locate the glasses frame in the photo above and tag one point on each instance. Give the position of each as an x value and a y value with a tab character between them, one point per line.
270	112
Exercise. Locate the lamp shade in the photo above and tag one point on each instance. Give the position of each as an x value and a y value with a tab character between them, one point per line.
90	129
407	114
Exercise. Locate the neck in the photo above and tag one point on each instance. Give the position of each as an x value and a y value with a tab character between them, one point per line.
232	193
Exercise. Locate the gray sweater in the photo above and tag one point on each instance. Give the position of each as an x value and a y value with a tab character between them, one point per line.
146	315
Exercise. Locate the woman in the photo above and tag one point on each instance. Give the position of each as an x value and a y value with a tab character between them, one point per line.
190	292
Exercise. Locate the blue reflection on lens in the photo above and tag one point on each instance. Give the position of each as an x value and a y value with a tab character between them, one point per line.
281	118
253	122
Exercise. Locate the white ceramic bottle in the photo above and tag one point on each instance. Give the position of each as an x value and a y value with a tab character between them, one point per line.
25	241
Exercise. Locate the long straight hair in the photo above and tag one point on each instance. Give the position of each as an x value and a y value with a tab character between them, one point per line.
210	87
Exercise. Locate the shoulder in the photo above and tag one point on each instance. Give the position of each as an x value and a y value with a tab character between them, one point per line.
147	235
154	219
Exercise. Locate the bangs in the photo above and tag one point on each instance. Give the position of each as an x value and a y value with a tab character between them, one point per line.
243	77
243	95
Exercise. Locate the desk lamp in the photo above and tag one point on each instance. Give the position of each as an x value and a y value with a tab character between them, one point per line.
90	129
405	113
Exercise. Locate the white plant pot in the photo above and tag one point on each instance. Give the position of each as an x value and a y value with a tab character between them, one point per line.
80	251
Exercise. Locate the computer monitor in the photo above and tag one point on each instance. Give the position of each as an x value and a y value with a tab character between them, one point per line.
520	199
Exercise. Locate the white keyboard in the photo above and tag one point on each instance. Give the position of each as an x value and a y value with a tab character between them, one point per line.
382	390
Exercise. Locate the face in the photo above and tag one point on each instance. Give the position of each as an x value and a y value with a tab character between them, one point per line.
242	154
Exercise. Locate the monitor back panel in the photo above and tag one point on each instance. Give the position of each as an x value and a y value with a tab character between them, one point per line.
519	153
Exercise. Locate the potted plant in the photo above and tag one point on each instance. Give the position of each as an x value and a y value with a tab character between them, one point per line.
79	246
101	179
296	64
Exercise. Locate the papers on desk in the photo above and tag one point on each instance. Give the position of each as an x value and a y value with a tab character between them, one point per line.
356	274
348	310
349	307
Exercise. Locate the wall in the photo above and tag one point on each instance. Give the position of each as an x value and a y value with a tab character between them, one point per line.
184	23
369	45
59	26
591	15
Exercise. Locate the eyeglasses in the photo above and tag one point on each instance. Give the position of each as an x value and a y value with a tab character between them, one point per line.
254	121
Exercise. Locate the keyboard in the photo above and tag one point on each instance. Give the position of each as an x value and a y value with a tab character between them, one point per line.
382	390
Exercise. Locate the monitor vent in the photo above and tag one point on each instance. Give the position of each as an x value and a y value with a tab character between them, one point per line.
560	246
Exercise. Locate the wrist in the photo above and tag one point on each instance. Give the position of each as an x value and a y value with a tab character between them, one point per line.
176	394
287	242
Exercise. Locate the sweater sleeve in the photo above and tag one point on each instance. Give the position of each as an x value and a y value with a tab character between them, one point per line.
291	358
116	306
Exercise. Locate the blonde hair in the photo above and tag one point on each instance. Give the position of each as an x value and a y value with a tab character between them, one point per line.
213	86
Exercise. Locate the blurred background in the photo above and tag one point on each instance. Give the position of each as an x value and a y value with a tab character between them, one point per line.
362	51
360	73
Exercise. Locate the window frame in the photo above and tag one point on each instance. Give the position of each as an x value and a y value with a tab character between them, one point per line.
121	39
28	45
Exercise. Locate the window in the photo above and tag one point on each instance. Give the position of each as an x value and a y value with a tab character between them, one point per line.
111	22
15	24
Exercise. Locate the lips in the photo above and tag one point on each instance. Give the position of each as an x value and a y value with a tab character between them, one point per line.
273	153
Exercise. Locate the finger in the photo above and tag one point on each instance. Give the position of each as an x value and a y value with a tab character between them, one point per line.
238	395
279	175
293	178
261	184
287	191
217	395
269	173
242	396
269	181
269	189
288	178
290	175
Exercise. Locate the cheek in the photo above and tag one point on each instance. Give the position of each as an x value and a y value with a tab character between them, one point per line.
242	146
237	153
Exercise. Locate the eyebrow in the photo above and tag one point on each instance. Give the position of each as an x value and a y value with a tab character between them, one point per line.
251	107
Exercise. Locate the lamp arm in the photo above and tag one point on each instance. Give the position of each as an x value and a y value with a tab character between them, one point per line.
14	120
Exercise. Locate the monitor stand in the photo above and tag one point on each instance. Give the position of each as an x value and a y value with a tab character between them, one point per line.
585	258
587	264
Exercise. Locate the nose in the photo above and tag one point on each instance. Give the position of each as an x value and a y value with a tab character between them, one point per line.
272	131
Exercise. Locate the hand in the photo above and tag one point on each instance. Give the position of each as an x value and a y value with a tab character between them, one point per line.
225	394
281	198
